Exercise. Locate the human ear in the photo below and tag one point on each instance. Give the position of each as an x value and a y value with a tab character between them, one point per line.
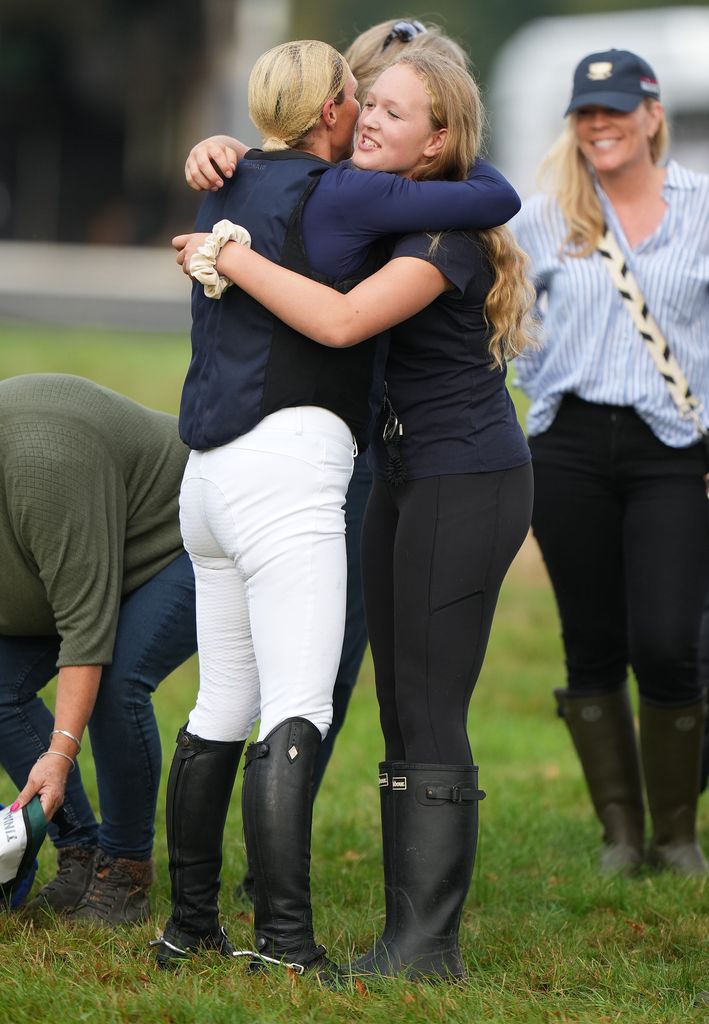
436	143
329	113
656	112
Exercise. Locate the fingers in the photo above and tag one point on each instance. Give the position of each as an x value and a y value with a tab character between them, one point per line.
51	802
48	781
209	164
24	796
186	246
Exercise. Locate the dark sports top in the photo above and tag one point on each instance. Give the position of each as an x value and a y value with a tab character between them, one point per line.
245	362
456	413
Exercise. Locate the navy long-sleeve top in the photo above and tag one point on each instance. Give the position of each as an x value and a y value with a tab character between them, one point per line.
350	209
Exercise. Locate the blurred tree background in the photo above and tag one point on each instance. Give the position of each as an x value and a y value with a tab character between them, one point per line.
102	100
482	27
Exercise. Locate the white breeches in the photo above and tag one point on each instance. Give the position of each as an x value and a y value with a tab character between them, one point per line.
262	520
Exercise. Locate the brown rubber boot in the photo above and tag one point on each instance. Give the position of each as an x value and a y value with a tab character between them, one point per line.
671	742
603	733
74	873
117	893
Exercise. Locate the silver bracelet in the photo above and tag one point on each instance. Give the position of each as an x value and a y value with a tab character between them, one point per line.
69	735
59	754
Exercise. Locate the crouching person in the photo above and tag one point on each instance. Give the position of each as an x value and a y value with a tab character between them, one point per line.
95	583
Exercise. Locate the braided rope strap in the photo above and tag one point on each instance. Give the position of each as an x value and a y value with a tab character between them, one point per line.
688	405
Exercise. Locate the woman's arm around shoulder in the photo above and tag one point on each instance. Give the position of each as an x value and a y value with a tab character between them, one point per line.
211	161
376	203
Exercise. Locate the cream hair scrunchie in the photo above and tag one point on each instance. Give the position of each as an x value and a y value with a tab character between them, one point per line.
203	263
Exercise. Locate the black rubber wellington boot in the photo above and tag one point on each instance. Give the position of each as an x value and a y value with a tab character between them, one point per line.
277	810
671	742
603	733
198	794
429	829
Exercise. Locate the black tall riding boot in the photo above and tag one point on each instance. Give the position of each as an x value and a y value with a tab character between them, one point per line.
429	829
671	742
603	733
198	794
277	810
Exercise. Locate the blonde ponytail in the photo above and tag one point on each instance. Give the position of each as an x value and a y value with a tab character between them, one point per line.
288	87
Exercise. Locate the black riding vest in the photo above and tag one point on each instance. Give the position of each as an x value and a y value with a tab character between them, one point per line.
245	362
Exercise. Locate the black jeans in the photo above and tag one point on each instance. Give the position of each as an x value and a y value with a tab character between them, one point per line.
434	554
623	523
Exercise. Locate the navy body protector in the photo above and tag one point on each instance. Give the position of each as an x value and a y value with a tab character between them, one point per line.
245	362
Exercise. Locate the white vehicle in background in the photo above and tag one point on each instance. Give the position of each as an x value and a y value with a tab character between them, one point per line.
532	76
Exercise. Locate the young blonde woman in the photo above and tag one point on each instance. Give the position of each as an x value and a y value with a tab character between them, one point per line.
620	508
273	422
451	500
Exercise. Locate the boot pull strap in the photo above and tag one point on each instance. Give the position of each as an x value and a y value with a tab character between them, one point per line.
455	794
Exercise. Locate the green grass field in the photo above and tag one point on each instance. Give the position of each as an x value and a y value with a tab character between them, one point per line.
545	938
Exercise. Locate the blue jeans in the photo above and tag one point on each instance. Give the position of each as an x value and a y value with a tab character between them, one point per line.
156	633
354	643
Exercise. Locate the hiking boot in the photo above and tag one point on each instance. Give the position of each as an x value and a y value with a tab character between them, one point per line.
74	872
117	893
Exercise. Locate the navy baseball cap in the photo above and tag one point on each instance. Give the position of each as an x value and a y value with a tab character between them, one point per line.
617	79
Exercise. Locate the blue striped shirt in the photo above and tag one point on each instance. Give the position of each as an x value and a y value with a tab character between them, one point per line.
590	345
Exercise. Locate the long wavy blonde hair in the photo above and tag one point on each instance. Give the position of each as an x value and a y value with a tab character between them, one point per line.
456	105
288	87
565	172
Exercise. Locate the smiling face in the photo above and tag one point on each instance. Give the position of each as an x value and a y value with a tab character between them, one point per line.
395	130
614	142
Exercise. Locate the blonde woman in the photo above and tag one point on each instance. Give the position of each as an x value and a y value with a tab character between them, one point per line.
620	511
451	499
273	422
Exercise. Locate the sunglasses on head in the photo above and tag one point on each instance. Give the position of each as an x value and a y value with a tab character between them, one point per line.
404	31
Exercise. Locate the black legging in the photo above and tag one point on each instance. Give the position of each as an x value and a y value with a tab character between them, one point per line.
434	554
623	523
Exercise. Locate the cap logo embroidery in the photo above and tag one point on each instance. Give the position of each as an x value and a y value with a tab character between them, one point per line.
599	70
649	85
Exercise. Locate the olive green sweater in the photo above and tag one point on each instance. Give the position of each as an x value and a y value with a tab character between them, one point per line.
89	484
